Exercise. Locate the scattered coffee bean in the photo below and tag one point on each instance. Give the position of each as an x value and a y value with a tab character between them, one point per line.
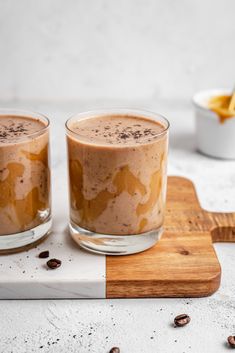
231	341
44	254
114	350
181	320
53	263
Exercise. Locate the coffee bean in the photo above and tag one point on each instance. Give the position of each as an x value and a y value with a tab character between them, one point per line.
44	254
114	350
53	263
181	320
231	341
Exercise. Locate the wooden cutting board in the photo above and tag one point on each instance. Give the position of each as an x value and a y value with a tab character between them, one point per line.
183	263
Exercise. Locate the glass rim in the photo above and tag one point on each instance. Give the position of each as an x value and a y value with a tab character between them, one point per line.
27	114
115	111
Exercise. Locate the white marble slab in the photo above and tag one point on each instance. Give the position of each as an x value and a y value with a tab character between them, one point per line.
81	275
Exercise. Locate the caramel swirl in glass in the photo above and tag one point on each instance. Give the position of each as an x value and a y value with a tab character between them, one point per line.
117	173
24	172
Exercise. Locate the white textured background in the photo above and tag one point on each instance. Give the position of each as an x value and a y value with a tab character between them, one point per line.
125	49
149	54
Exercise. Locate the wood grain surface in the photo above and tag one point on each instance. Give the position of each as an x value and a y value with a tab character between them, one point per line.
183	263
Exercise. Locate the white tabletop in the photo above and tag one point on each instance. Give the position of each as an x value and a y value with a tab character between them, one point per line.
134	325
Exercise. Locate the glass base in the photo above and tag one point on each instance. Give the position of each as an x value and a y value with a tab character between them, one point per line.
114	244
18	241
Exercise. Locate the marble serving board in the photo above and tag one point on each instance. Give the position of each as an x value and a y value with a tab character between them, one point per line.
25	276
82	275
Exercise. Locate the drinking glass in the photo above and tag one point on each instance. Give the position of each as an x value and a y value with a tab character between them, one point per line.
117	190
25	202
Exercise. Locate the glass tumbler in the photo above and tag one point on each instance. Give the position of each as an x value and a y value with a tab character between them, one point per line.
25	202
117	162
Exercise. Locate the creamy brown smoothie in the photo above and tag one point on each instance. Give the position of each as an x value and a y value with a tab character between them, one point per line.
24	173
117	173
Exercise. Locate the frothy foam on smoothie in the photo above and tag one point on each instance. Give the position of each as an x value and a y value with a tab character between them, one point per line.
13	128
117	129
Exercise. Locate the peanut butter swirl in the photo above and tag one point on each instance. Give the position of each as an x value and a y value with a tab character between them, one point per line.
117	174
24	174
220	105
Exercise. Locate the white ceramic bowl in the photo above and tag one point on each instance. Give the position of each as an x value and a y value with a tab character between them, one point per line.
214	138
